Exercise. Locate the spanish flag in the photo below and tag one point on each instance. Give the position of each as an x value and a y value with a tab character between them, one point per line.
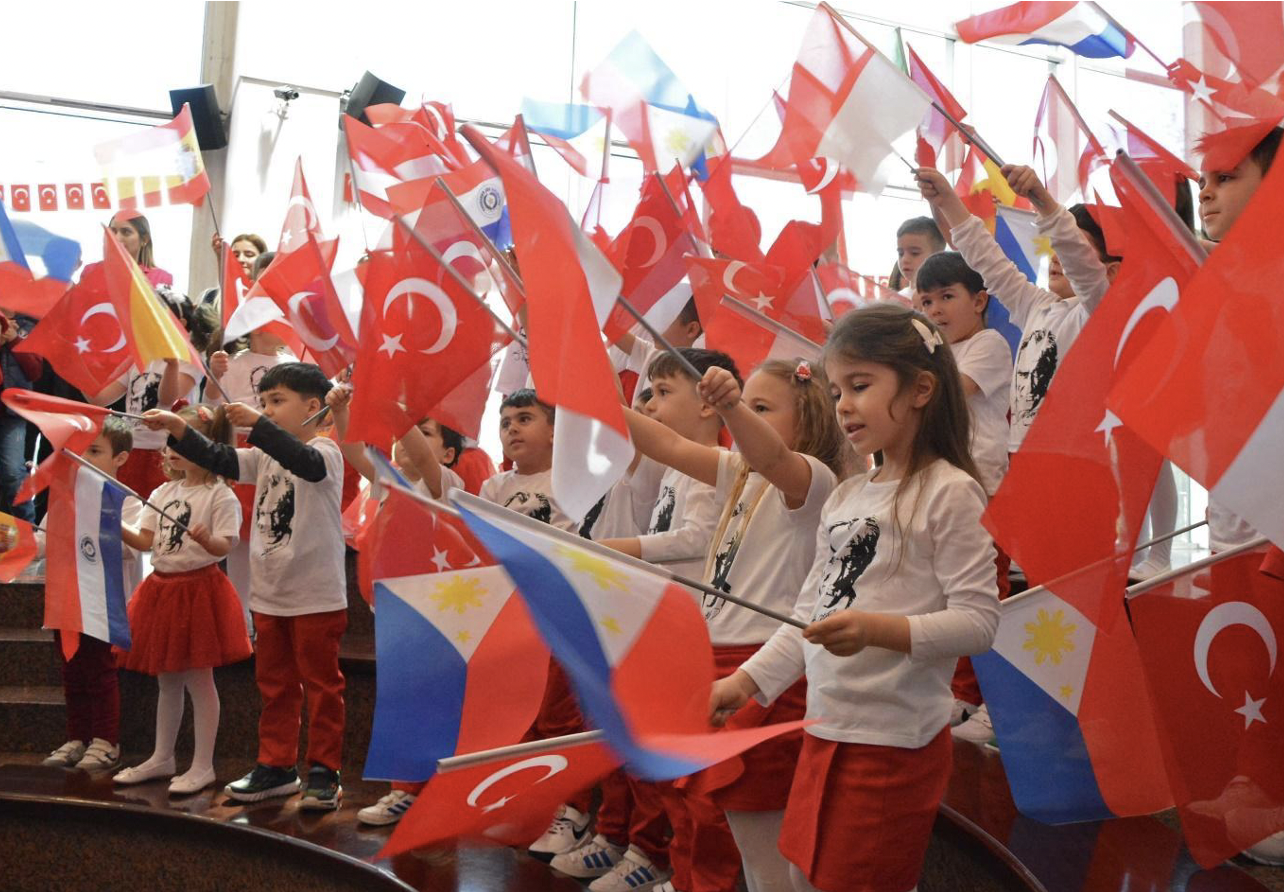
166	157
150	329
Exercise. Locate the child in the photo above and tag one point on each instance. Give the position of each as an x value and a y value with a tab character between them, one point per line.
241	374
902	585
526	432
632	354
185	618
298	595
917	239
90	680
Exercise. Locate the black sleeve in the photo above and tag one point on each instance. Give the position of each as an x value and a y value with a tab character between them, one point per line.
199	449
294	455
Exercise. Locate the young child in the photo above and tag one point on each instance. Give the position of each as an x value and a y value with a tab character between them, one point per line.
902	585
632	354
917	239
185	618
526	432
298	591
241	374
90	679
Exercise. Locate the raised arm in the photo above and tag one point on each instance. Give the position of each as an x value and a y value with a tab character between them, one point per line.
661	444
174	383
194	446
353	453
760	445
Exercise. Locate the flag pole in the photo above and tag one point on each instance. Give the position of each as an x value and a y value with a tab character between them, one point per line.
1111	19
526	142
214	217
356	196
209	376
120	414
116	483
321	413
1166	213
1154	582
969	134
530	747
458	277
477	232
543	529
1155	541
659	340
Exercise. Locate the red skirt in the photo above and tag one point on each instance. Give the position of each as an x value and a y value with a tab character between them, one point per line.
860	816
759	778
181	621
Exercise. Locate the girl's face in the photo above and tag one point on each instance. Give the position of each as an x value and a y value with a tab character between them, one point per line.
773	400
174	462
874	411
128	237
245	252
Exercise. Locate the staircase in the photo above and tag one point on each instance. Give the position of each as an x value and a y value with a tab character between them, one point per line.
32	709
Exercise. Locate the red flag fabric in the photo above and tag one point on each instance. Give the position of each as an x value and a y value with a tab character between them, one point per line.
1237	40
17	546
939	144
570	290
1079	469
1232	115
75	196
235	284
734	229
301	220
19	197
1065	150
99	196
391	154
506	802
63	423
47	194
1208	390
300	285
1208	644
847	290
83	338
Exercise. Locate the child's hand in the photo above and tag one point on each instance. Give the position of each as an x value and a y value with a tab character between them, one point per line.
728	695
1025	182
219	363
842	634
241	415
339	397
160	420
932	184
719	389
200	534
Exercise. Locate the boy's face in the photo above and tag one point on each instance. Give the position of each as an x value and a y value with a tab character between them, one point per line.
1223	195
288	409
527	437
958	313
911	250
99	455
682	334
676	404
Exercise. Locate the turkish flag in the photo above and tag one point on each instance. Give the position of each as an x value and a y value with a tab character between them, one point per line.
507	802
234	286
300	216
83	339
99	196
19	546
846	290
1240	40
1079	469
48	196
939	143
734	229
75	196
1209	646
64	423
1066	153
299	283
20	198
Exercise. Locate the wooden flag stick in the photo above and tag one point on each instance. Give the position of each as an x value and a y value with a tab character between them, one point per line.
116	483
660	341
530	747
129	415
969	134
765	321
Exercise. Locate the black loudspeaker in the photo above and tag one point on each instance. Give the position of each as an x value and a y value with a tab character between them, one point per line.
371	91
206	116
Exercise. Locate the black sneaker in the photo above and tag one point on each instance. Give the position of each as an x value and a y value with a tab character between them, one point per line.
323	792
264	782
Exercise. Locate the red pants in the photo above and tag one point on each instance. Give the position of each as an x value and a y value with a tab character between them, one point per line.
964	683
294	654
559	714
142	471
92	688
657	806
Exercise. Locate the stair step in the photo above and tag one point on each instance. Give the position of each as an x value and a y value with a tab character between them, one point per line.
22	605
33	718
28	657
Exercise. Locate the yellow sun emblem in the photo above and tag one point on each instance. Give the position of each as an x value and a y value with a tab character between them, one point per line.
459	594
1050	637
606	576
611	624
1042	246
677	142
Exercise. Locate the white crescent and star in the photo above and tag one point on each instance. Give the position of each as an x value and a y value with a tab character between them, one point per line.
551	763
828	170
847	294
445	307
729	275
651	225
102	309
303	329
1234	613
48	190
1163	296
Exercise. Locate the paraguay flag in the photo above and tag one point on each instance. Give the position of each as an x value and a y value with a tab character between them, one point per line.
1083	28
461	667
632	640
85	579
1071	713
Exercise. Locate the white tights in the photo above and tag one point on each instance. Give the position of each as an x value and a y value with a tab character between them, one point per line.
199	684
757	836
801	884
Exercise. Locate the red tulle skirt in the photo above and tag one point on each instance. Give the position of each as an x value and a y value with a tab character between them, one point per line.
181	621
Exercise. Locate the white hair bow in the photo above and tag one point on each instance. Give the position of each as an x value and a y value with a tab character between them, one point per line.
931	339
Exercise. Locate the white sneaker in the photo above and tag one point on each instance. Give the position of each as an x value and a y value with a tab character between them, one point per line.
592	859
961	712
1268	851
666	886
634	873
100	756
1147	569
66	755
566	833
977	729
388	810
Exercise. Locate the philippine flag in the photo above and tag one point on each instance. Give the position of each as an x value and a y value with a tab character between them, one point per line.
461	667
85	589
1071	713
1017	233
1083	28
632	640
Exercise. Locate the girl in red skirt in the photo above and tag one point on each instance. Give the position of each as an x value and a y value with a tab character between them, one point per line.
902	586
185	618
772	491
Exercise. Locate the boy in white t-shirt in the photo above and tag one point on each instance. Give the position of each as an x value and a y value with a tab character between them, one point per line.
526	434
298	592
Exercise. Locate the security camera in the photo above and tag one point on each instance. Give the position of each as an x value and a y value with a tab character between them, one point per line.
285	93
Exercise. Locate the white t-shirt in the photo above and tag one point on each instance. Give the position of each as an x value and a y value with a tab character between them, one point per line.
296	540
244	371
1049	325
766	559
935	566
142	392
683	519
625	510
212	504
449	480
529	494
639	359
986	359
